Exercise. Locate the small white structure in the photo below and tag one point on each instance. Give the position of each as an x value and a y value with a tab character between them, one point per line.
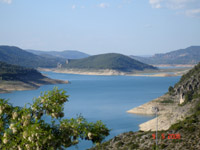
59	65
67	62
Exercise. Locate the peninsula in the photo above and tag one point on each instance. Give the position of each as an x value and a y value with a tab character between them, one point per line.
17	78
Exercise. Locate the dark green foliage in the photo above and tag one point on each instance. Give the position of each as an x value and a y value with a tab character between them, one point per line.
162	146
16	56
193	72
133	146
197	107
108	61
14	72
154	147
189	96
171	90
190	55
119	144
167	101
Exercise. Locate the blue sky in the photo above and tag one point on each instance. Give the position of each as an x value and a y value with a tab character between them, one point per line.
136	27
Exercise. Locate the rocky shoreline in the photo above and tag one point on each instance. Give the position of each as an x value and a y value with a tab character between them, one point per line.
110	72
10	86
169	112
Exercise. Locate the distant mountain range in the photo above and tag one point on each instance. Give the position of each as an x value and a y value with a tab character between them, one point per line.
190	55
18	56
67	54
111	61
79	60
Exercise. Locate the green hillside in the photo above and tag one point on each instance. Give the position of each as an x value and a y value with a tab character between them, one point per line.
17	78
190	55
108	61
14	72
16	56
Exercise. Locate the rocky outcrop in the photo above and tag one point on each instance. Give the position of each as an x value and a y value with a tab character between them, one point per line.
186	86
175	105
169	112
180	120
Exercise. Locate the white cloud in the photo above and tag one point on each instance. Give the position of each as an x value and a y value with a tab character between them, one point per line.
6	1
73	6
188	7
193	13
155	3
103	5
178	4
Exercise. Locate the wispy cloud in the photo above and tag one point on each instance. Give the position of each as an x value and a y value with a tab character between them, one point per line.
188	7
6	1
73	6
193	13
155	3
103	5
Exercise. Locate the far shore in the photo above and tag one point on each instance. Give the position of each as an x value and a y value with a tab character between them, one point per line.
175	65
109	72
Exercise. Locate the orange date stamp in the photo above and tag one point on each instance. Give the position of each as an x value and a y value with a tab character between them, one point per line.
168	136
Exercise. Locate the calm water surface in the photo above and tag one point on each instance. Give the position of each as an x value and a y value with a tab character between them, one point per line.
105	98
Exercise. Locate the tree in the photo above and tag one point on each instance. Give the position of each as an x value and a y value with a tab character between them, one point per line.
171	90
28	128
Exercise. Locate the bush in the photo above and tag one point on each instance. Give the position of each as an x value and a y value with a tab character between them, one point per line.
26	128
189	96
171	90
134	146
167	101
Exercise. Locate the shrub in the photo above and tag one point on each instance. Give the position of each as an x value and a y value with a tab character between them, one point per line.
171	90
26	127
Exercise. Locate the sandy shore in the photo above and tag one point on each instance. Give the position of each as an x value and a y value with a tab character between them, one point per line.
175	65
9	86
146	73
169	113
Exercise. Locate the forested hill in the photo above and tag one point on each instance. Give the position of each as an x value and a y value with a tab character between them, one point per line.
111	61
190	55
15	78
16	56
14	72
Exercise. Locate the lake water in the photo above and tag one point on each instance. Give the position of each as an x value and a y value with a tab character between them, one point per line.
105	98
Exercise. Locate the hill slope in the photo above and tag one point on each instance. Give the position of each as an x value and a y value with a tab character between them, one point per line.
67	54
108	61
190	55
17	56
13	77
14	72
184	134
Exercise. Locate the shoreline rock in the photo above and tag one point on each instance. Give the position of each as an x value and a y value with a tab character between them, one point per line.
169	112
10	86
109	72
